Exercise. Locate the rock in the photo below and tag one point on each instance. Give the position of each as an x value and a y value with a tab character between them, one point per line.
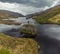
29	31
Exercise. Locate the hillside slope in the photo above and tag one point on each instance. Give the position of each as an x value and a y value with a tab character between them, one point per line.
51	15
10	45
9	14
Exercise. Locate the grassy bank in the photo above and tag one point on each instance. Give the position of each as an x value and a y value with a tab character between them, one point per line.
50	16
11	45
9	22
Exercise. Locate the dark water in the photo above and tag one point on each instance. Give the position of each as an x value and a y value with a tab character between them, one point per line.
13	32
48	35
49	39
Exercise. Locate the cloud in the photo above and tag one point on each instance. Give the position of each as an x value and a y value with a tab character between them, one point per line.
35	3
11	7
55	3
27	6
20	8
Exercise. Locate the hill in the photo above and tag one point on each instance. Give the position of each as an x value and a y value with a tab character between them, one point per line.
9	14
11	45
50	16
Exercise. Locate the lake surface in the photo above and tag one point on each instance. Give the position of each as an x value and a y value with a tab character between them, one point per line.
48	34
22	20
50	30
48	38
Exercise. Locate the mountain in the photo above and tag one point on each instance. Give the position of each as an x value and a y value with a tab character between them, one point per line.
51	16
12	45
9	14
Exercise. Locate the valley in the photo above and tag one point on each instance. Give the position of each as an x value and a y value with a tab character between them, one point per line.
46	40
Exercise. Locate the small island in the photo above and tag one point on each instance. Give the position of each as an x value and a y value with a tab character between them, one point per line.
29	31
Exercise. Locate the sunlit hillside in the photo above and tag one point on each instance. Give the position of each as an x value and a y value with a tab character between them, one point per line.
48	16
55	19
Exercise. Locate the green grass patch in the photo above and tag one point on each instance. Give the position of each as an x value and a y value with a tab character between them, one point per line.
4	51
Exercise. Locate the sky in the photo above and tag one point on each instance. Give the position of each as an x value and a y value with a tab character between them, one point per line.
27	6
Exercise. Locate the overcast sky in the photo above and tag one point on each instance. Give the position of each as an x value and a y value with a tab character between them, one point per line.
27	6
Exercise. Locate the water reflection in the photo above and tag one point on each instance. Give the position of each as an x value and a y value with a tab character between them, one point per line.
22	20
48	38
52	31
48	35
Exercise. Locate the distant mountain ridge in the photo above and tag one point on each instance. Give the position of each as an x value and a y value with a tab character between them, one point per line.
51	15
9	14
44	12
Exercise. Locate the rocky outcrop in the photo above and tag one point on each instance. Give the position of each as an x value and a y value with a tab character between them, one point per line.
29	31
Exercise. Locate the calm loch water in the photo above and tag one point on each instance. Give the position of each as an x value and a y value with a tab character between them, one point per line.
22	20
48	34
49	38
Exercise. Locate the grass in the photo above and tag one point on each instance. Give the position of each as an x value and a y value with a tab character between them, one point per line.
12	45
51	16
9	22
55	19
4	51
